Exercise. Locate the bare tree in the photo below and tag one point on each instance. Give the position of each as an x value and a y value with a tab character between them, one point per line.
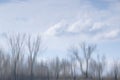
6	67
65	68
16	43
2	56
87	52
97	67
55	66
20	67
34	46
41	70
73	67
115	70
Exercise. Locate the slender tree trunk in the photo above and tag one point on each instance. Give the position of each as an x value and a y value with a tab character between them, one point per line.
14	72
116	77
99	76
31	72
57	76
86	73
48	75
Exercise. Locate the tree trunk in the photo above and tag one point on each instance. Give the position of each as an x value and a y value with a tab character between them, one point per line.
31	72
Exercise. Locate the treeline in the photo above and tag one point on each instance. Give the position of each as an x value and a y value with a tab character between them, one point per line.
20	62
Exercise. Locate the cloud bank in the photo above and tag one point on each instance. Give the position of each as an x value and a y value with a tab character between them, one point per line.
63	22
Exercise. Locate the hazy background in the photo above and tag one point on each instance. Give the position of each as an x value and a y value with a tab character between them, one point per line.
63	23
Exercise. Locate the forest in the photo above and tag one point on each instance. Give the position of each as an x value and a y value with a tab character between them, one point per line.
20	62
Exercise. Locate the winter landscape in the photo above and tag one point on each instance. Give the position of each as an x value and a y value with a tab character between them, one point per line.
59	39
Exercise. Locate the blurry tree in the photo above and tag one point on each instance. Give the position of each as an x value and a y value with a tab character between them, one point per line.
55	67
16	45
115	70
97	67
87	54
73	69
65	68
34	47
1	61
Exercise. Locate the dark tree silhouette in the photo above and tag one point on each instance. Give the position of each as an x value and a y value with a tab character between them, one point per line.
87	54
16	44
34	47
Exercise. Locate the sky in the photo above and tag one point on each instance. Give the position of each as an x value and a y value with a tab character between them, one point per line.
65	23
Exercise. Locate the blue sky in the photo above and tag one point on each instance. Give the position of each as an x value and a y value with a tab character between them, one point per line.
63	23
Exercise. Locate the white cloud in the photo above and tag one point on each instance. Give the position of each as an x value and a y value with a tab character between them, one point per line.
104	30
107	35
112	34
80	26
57	29
97	26
93	23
